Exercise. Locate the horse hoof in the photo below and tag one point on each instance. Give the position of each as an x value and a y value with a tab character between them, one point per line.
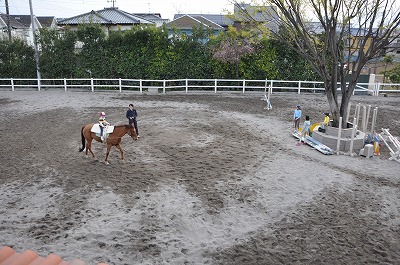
123	160
106	162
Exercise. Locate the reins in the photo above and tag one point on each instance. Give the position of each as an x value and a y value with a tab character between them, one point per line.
130	130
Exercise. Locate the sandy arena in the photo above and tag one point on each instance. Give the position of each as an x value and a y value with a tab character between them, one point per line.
214	179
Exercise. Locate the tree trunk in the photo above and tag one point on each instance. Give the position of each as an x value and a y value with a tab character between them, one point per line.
330	88
343	110
237	70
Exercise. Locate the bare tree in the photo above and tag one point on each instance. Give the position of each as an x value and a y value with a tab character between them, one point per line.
345	35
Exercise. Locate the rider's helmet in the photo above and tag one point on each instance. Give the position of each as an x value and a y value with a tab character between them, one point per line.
102	114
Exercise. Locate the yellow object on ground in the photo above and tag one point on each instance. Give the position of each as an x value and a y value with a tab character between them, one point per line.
312	127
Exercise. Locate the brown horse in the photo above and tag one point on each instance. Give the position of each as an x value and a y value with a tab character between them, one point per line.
113	139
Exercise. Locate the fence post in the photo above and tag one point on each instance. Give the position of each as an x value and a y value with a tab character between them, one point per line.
12	85
298	92
38	84
120	85
244	85
164	83
92	84
141	86
378	87
186	84
215	85
65	84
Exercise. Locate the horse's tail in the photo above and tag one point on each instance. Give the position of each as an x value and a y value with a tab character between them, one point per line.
83	140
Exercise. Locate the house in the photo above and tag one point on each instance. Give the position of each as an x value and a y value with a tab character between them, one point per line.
261	14
353	39
48	22
41	22
110	19
18	30
153	17
185	24
21	26
265	15
393	49
222	20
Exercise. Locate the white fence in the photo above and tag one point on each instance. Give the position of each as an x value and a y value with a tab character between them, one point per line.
185	85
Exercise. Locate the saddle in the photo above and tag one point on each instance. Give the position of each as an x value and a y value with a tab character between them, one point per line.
96	129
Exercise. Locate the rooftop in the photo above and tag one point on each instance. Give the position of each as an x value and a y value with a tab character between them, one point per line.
110	15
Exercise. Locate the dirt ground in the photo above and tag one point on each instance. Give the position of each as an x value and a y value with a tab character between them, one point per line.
214	179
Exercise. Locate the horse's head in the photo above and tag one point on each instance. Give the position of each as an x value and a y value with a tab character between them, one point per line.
132	132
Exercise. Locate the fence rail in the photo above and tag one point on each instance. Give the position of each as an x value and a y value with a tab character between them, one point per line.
185	85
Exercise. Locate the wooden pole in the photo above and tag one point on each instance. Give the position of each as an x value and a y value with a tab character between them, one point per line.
339	136
374	121
357	113
364	119
368	112
353	132
348	114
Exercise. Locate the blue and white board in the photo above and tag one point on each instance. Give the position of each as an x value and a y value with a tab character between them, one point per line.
314	143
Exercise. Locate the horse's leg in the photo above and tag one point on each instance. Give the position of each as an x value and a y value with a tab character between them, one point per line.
108	152
122	152
89	147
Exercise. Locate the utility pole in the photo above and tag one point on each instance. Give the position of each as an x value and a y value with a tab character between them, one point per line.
8	22
35	44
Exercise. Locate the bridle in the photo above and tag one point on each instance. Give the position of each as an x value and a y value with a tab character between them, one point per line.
131	131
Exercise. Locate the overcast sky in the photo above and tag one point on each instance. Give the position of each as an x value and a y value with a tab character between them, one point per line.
70	8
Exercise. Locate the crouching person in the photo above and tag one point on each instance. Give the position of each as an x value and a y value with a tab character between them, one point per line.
325	123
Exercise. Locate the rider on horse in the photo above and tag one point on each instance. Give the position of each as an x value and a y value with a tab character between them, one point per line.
103	123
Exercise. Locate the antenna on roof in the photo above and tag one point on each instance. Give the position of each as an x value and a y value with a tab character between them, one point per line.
177	9
113	1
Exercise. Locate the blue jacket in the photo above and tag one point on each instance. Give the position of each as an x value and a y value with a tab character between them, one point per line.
131	114
297	114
